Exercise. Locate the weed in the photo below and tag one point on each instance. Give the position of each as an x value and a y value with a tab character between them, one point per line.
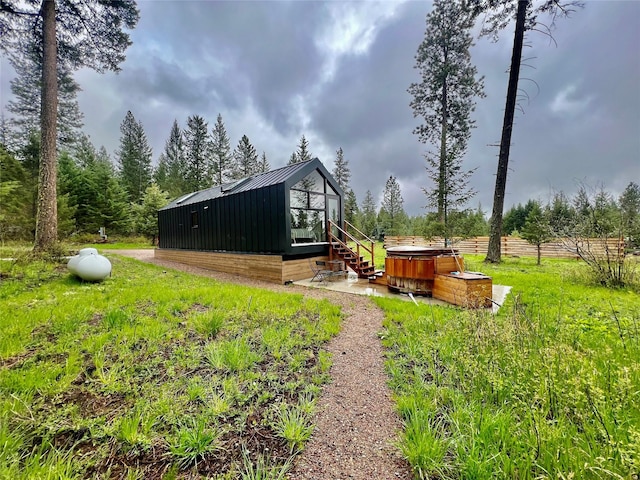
47	462
194	441
294	425
231	355
423	445
209	324
135	428
196	389
542	389
264	468
112	368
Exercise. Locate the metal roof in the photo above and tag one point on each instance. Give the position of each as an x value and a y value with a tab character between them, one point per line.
272	177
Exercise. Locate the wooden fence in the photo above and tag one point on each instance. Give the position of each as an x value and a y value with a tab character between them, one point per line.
510	246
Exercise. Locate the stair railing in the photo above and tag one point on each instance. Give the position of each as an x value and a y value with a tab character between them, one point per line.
335	239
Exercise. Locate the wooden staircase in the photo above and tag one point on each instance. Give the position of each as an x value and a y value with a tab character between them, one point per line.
353	257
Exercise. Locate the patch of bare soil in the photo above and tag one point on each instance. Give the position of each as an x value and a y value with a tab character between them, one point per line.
356	423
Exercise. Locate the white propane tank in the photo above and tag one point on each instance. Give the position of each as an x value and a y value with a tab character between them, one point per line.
90	266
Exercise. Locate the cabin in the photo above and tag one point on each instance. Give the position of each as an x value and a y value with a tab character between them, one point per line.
271	226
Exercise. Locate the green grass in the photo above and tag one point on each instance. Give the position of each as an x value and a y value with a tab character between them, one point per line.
151	371
547	388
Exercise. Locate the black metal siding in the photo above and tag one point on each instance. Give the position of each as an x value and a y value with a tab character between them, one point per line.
254	219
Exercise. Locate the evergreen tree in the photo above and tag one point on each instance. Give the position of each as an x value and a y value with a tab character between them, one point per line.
445	99
302	153
245	159
264	166
26	87
89	180
351	211
561	214
160	173
4	132
341	171
29	157
134	158
87	33
516	217
221	155
368	215
171	171
15	200
392	216
629	203
581	204
197	151
537	229
146	214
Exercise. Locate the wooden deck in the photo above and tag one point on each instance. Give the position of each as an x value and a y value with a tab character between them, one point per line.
270	268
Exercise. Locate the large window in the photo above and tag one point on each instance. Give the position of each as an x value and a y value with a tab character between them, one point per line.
308	202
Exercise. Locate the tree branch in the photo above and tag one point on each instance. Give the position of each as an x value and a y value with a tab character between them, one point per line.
6	7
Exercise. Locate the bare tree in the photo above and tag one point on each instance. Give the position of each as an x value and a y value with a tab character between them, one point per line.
498	15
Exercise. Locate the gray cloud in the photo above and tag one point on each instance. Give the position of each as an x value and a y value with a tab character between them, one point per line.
276	70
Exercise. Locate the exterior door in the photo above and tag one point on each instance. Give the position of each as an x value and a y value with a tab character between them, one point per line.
333	212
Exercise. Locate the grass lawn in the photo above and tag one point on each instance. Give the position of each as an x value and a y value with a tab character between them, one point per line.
154	373
547	388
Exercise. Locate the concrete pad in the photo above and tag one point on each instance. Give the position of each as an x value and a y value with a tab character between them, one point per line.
362	286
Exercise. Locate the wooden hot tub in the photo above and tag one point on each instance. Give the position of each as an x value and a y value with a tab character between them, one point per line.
412	269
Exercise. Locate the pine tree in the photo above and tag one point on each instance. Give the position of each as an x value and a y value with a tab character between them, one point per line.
368	215
561	215
221	156
264	166
134	158
89	180
445	99
537	229
392	216
146	214
79	34
302	153
341	171
15	200
351	211
171	171
629	203
4	131
26	87
197	149
245	159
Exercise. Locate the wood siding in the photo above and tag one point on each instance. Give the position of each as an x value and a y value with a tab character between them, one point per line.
465	289
510	246
270	268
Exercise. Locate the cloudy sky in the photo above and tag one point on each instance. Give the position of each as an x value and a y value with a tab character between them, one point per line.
338	72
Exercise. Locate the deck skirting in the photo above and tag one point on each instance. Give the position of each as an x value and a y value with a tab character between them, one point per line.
270	268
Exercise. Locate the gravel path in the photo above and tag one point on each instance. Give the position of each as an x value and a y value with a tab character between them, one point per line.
356	424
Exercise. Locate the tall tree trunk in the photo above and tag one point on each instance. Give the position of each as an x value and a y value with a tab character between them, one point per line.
47	216
442	173
493	252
